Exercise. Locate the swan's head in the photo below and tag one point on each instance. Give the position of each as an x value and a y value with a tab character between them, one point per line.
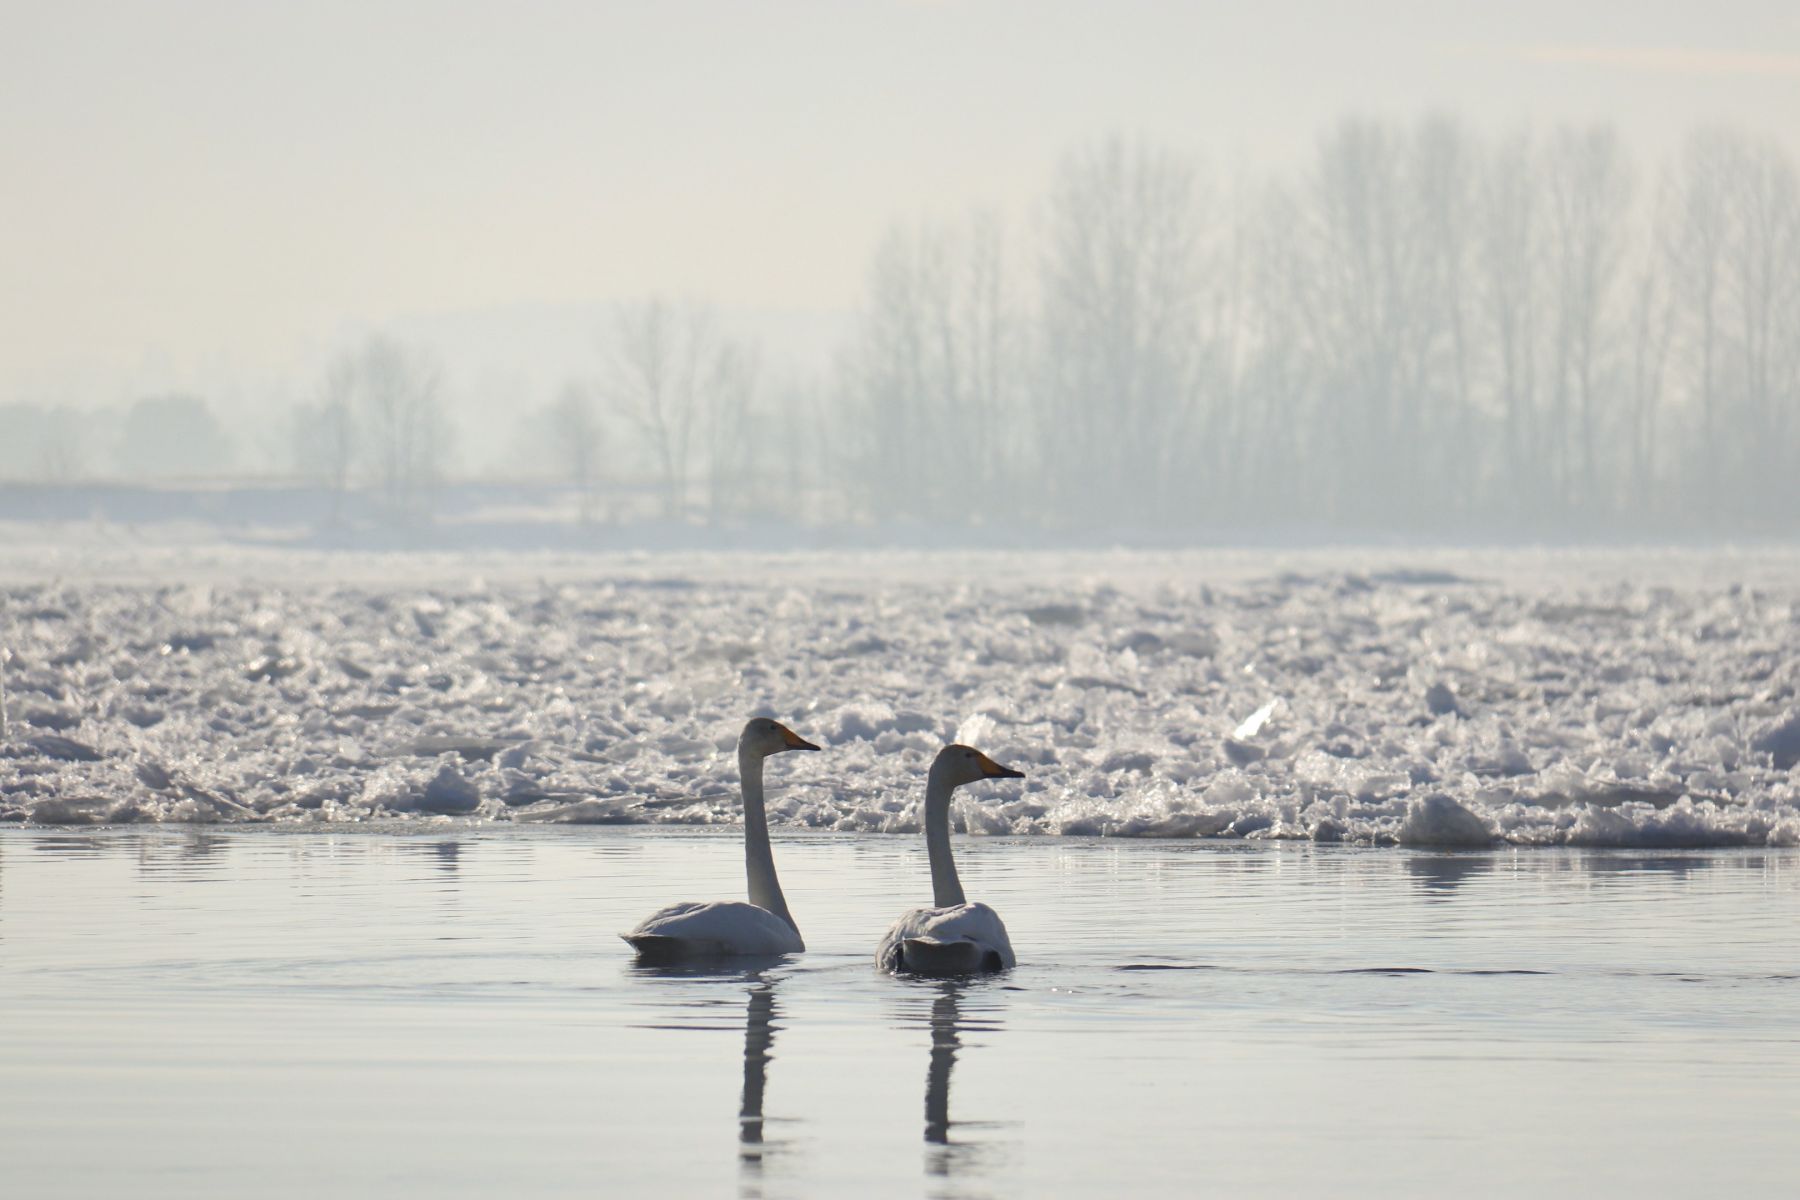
958	765
763	737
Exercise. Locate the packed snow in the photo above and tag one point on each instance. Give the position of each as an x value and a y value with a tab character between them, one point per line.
1558	699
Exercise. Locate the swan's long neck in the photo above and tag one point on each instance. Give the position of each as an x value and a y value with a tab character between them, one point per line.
946	889
759	860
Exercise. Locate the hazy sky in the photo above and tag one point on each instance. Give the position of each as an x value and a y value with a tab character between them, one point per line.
215	193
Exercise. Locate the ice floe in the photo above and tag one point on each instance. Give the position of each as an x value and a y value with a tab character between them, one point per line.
1154	698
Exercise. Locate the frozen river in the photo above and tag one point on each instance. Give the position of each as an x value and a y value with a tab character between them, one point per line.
1580	698
305	1013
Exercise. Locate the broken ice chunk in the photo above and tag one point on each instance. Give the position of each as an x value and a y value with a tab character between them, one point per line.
1438	820
57	718
1441	700
1782	741
1243	753
63	749
1056	614
976	729
1255	721
272	666
449	792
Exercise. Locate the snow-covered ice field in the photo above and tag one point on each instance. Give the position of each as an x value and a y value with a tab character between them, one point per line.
1428	697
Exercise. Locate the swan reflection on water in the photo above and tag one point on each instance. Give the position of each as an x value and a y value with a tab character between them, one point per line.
761	1014
955	1014
946	1040
759	1039
948	1153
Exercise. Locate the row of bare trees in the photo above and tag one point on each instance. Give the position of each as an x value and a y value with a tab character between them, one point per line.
688	392
1424	330
671	410
379	423
173	436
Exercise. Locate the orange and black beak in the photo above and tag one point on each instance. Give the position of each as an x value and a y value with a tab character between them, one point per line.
794	741
993	770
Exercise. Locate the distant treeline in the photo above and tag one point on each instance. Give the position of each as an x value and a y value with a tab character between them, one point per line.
1426	330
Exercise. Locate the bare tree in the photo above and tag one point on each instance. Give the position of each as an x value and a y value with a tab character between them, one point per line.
728	400
1589	186
1696	249
653	361
689	392
1763	289
1511	269
1651	325
812	477
1366	291
42	443
1123	353
931	375
572	427
403	422
380	410
324	433
889	376
1443	352
1267	443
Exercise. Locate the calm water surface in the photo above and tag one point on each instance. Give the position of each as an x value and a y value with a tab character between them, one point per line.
287	1014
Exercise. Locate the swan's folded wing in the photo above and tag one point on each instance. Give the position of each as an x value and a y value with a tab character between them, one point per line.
932	941
723	927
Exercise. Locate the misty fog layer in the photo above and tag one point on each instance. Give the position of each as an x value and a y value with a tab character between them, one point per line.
1423	330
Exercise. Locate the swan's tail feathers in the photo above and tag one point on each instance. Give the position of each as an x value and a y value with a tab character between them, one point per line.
928	956
658	948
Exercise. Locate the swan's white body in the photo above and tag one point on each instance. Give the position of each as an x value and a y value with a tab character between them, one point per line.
954	937
718	929
958	940
728	928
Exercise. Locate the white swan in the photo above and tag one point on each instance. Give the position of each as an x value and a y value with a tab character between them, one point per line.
730	927
955	937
